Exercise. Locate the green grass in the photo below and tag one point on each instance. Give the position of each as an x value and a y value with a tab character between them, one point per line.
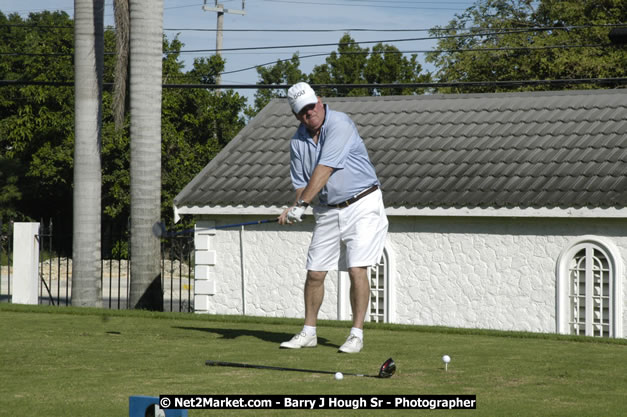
87	362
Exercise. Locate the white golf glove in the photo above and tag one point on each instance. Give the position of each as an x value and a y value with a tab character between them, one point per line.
295	214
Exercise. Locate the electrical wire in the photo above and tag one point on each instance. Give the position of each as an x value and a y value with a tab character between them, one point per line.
459	2
461	84
255	48
435	29
387	6
478	32
502	49
319	54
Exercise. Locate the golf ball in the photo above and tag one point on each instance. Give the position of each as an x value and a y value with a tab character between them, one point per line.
446	358
339	375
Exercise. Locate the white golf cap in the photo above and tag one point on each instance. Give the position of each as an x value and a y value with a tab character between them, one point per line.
300	95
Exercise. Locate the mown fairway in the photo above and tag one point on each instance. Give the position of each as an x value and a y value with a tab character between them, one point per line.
87	362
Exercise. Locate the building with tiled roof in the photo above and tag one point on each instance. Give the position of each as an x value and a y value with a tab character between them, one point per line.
504	210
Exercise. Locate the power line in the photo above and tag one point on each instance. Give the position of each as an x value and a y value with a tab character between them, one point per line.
438	37
391	5
530	28
459	2
502	49
55	54
319	54
300	30
462	84
477	33
387	6
435	29
71	9
35	26
254	48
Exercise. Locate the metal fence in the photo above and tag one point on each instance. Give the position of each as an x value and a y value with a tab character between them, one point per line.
55	268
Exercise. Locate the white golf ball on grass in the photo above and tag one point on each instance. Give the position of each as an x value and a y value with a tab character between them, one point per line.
339	376
446	359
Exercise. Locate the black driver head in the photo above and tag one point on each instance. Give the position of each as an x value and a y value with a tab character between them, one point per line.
387	369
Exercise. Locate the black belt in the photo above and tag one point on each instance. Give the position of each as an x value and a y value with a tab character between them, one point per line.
354	199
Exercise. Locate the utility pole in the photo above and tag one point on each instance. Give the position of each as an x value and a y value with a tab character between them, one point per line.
219	8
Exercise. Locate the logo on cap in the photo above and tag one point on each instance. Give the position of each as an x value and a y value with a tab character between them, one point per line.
301	95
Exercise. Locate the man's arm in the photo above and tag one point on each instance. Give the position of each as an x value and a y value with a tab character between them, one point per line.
318	180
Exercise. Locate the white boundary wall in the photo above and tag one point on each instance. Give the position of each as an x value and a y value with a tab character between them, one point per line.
469	272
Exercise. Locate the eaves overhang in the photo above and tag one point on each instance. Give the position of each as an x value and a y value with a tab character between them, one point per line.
524	212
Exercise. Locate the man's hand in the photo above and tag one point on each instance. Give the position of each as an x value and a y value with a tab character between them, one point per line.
295	214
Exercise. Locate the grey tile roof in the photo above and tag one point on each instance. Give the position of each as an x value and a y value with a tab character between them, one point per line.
551	149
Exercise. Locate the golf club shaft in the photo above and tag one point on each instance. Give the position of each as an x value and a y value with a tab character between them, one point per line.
226	226
160	230
278	368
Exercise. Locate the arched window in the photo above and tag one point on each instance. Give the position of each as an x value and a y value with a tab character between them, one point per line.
590	293
382	289
379	289
588	290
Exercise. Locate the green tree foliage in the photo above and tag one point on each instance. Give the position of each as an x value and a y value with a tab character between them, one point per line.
346	66
350	64
509	43
196	125
10	195
387	66
283	72
604	62
37	124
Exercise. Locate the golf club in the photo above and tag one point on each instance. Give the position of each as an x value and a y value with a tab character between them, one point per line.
386	371
159	230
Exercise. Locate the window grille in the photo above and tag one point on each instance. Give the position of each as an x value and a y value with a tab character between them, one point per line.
590	293
378	275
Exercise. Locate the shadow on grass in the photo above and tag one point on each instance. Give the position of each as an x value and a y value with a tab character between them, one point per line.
273	337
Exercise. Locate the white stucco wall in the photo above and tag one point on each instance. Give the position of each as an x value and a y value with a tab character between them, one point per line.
494	273
274	270
487	272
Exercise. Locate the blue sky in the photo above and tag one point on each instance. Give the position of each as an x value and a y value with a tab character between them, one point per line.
335	15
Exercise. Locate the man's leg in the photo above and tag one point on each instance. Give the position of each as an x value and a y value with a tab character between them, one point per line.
360	299
314	294
359	294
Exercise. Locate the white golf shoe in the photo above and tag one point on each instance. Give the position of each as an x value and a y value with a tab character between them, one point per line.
301	340
352	345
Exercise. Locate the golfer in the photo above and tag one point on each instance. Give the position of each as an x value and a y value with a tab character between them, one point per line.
328	160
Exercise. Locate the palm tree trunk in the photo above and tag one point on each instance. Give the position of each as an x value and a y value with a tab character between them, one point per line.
88	62
146	42
120	83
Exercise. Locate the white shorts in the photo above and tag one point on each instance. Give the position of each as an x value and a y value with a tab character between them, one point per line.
353	236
